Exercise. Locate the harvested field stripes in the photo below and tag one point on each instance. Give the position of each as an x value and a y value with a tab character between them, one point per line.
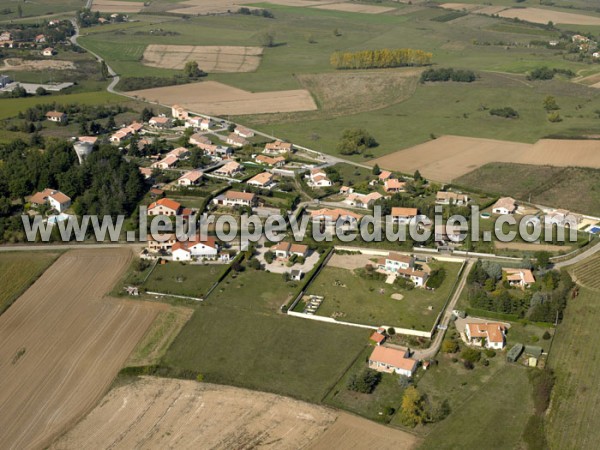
586	273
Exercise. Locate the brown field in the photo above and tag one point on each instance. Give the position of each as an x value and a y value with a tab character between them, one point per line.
530	247
489	10
200	7
537	15
62	345
350	262
211	59
449	157
461	6
356	8
591	80
211	97
15	64
164	413
115	6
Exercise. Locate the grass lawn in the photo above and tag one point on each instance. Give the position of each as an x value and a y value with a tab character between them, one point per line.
183	279
575	358
352	298
561	187
18	271
263	350
387	394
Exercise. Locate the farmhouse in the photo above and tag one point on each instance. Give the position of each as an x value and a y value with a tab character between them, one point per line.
505	205
243	132
522	278
236	140
277	147
286	249
403	215
391	360
393	185
235	198
451	198
56	116
160	122
190	178
278	161
229	169
178	112
195	248
262	180
490	335
56	199
363	200
164	207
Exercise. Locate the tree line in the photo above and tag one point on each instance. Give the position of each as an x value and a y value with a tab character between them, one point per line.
380	59
448	74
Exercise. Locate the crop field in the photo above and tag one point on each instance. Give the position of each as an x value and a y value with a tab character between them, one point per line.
18	270
162	413
586	273
211	97
63	343
537	15
575	359
115	6
211	58
571	188
350	297
356	8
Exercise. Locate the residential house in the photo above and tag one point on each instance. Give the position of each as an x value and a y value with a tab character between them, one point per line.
318	178
262	180
190	178
40	39
278	161
88	139
384	175
164	207
235	198
49	51
346	190
505	205
195	248
179	153
378	337
236	140
451	198
165	243
392	360
156	193
197	139
449	233
5	36
522	278
579	39
277	148
393	185
146	172
243	132
160	122
596	55
326	216
363	200
56	116
56	199
489	334
563	218
229	169
178	112
285	250
395	261
120	136
167	162
403	215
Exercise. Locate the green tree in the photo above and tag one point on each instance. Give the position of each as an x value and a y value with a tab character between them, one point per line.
449	346
542	258
41	91
355	141
192	70
376	169
550	103
267	39
413	408
104	70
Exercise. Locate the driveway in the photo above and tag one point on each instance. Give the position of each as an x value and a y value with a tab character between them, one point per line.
280	266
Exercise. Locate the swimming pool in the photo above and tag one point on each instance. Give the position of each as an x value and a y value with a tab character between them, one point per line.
57	218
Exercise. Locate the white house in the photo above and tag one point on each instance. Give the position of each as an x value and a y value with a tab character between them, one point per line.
490	335
391	360
243	132
236	140
49	51
278	161
56	116
262	180
395	261
277	147
56	199
451	198
362	200
164	207
190	178
393	185
178	112
285	249
505	205
195	248
522	278
229	169
318	178
403	215
166	163
160	122
563	218
235	198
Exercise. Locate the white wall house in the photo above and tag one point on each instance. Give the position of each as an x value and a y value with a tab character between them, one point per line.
195	249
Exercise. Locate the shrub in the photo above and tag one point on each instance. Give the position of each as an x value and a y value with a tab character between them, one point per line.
436	278
468	365
442	74
506	112
554	117
546	336
269	257
489	352
449	346
365	382
470	354
355	141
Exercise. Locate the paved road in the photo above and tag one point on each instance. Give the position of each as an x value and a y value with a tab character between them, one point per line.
580	257
437	341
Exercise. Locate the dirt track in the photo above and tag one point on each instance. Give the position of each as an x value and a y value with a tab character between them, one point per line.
62	345
163	413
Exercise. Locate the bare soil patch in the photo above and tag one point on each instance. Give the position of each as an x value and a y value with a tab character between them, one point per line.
350	262
211	97
537	15
449	157
62	345
115	6
201	7
356	8
211	59
563	153
461	6
166	413
18	64
529	247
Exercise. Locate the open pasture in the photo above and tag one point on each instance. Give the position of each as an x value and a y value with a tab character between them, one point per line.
62	345
211	59
538	15
211	97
